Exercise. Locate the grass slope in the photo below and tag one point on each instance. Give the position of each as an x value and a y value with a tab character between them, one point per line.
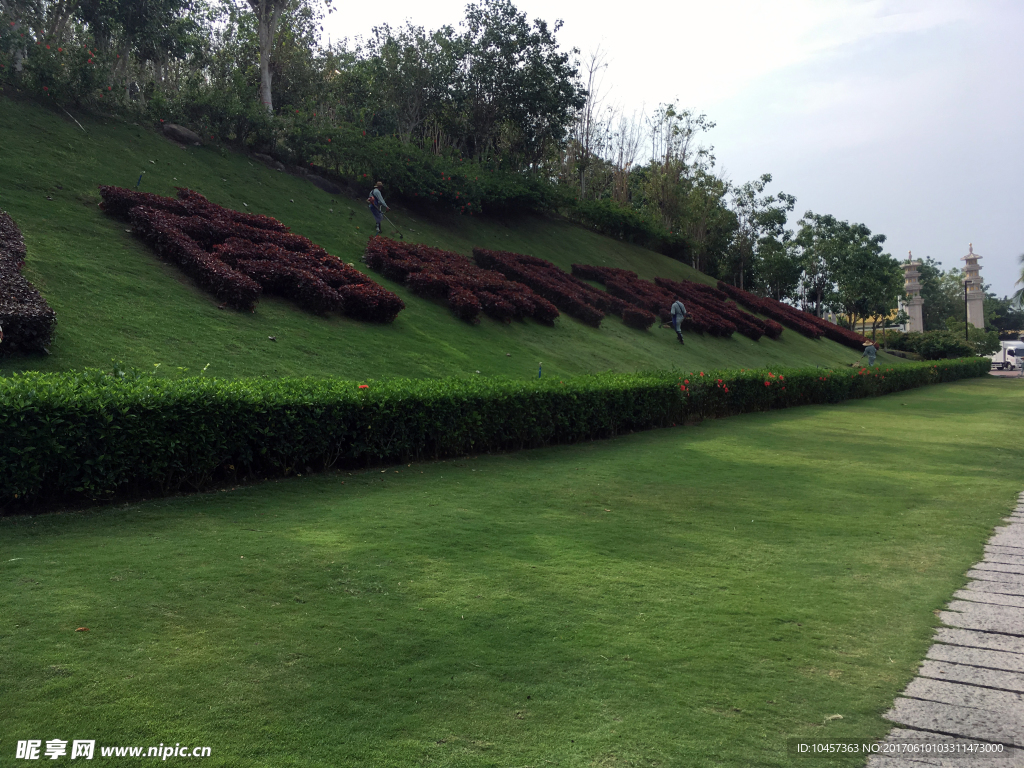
688	597
115	300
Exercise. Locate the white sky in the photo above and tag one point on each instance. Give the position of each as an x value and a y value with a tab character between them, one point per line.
905	115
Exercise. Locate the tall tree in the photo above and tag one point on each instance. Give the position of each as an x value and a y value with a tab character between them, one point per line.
675	159
761	225
589	131
267	14
845	268
412	75
520	91
818	241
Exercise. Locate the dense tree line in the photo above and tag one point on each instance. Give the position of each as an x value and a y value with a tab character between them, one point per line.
487	114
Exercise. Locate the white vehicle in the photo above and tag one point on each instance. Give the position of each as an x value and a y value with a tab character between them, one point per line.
1010	357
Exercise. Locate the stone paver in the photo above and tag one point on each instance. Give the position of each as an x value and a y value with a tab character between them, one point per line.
971	685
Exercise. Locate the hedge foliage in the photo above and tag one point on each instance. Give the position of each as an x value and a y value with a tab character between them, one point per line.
91	435
930	345
27	320
237	256
567	292
792	317
467	288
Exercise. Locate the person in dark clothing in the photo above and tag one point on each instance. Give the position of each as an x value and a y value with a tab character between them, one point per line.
377	204
678	315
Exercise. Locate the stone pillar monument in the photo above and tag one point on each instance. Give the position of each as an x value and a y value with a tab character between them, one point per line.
912	287
975	295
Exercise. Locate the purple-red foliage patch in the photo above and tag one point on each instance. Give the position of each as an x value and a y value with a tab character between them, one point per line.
27	320
804	322
716	303
237	256
656	298
467	288
791	317
567	292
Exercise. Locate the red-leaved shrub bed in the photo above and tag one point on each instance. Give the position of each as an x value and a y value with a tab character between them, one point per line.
804	322
467	288
27	320
570	294
237	256
656	299
717	303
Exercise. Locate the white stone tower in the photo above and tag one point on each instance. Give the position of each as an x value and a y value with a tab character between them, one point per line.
975	295
912	287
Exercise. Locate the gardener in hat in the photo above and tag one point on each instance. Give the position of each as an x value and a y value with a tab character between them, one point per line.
377	204
870	350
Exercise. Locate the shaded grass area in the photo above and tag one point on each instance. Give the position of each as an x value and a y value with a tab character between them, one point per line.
689	596
115	300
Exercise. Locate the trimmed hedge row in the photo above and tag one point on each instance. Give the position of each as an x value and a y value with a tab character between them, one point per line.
467	288
237	256
27	320
804	322
567	292
791	317
90	435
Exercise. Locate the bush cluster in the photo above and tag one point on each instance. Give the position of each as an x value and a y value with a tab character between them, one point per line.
25	317
614	220
237	256
930	345
419	177
717	303
791	317
91	435
656	298
467	288
570	294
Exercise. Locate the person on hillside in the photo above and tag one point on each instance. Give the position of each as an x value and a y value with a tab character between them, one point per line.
870	350
377	204
678	311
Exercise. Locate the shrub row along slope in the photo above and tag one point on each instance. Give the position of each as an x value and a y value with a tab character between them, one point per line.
237	256
91	435
466	288
567	292
809	325
25	317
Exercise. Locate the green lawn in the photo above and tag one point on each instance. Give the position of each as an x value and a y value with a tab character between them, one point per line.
115	300
689	596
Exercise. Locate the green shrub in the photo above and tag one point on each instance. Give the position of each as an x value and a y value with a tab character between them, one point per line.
930	345
614	220
91	435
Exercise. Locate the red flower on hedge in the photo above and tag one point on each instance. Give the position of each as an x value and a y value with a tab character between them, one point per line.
686	381
364	386
767	383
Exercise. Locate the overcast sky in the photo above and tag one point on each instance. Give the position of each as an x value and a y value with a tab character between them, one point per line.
905	115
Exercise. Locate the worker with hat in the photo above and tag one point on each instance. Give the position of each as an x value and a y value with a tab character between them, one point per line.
870	350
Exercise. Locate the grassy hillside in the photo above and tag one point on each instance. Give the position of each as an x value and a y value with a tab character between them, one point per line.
115	300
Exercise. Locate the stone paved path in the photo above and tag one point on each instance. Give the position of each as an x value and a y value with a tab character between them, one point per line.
971	685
